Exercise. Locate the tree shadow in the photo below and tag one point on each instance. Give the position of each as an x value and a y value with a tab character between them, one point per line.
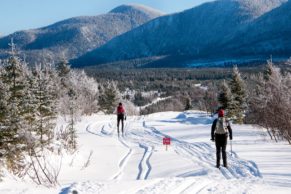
190	119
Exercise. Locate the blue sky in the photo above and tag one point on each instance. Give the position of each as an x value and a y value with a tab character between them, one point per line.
26	14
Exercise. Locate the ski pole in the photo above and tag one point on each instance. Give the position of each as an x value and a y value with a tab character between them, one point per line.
231	147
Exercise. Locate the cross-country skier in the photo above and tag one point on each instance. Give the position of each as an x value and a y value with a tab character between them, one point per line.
219	133
121	116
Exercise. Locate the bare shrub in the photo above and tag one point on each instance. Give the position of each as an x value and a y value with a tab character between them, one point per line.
270	103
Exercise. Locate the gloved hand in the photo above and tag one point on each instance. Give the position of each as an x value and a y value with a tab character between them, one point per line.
212	140
125	118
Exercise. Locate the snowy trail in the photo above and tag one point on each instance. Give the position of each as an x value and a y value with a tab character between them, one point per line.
143	142
138	163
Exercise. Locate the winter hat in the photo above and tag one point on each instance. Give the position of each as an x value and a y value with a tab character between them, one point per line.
221	113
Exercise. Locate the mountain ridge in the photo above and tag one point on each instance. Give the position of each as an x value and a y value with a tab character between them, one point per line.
193	32
269	32
75	36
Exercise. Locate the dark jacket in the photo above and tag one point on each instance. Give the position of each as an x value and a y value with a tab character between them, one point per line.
214	126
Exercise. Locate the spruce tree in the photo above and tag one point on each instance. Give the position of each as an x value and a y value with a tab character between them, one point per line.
64	85
72	143
63	69
68	101
3	98
14	123
238	103
268	70
224	97
45	99
31	108
4	95
108	98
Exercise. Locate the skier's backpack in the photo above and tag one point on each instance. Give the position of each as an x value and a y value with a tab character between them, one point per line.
221	126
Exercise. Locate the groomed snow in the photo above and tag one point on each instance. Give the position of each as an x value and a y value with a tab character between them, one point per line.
139	163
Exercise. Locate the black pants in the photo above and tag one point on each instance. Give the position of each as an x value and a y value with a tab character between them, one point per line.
120	118
221	142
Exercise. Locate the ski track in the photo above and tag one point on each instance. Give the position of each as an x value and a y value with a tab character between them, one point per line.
101	129
205	155
107	129
89	130
131	143
144	165
124	160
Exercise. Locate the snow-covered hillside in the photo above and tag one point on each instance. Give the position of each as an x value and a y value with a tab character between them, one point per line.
194	32
138	162
75	36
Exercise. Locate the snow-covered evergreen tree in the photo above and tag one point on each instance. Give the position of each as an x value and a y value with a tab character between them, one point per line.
14	123
268	70
64	79
72	142
63	69
68	105
238	103
4	95
45	101
225	97
109	97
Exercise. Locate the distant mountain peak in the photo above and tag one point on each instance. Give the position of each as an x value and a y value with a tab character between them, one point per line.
129	8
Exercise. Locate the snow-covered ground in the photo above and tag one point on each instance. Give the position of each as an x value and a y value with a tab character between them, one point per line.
139	163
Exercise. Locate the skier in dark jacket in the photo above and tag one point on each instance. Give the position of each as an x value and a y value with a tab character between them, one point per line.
120	117
219	133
